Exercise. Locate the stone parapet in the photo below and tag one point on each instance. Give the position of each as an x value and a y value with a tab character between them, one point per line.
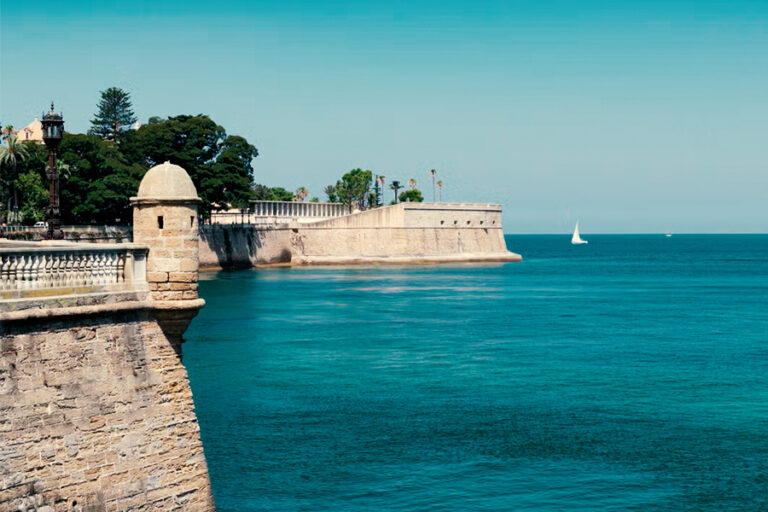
34	270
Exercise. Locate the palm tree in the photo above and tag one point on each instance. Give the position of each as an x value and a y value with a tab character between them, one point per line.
301	194
440	188
7	131
380	189
433	173
412	183
10	154
395	186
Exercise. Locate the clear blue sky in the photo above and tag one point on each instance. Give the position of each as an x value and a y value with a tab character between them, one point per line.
629	116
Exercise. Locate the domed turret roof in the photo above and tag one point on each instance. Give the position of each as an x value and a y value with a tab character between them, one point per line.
167	181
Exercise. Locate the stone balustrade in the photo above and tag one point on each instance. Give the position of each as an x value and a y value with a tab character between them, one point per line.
298	209
35	270
265	213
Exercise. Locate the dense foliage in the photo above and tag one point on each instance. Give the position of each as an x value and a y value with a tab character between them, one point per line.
97	181
352	189
265	193
12	153
411	196
219	164
98	177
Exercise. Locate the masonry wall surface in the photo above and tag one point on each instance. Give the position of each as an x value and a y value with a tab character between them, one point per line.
407	232
398	242
97	414
173	263
242	246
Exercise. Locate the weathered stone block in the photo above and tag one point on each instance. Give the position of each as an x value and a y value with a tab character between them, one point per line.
157	277
171	243
183	277
187	254
188	265
161	264
170	295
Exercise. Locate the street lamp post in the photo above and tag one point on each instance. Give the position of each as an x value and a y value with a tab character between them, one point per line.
53	128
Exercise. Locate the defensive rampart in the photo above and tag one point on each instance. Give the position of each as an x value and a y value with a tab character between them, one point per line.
96	412
403	233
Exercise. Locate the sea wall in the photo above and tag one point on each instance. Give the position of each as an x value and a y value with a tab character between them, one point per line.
96	413
233	246
403	233
379	245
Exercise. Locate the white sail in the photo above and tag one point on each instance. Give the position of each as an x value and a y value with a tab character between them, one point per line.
576	239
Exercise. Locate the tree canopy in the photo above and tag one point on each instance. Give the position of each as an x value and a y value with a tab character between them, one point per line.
411	196
264	193
352	189
98	177
97	181
114	115
18	161
12	153
219	164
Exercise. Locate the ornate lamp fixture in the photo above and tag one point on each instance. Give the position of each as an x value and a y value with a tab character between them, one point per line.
53	129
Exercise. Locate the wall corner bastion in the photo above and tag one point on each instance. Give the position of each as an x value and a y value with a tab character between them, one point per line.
96	411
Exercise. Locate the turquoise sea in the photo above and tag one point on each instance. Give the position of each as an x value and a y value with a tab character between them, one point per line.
627	374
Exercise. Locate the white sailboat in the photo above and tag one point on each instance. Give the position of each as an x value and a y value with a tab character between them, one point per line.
576	239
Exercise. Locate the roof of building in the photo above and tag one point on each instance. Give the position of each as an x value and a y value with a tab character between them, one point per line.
33	131
167	181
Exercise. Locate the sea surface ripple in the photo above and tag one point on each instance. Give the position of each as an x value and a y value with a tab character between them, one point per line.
627	374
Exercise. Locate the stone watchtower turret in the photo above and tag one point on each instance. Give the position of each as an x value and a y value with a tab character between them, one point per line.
165	220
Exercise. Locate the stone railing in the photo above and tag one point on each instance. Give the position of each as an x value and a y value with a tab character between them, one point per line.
266	213
94	234
35	270
298	209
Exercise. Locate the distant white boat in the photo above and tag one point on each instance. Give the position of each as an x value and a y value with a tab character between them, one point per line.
668	235
576	239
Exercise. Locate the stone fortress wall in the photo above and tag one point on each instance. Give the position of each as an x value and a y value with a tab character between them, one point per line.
402	233
96	412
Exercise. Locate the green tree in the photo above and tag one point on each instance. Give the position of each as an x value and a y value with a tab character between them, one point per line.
395	186
98	183
228	181
261	192
34	197
411	196
11	153
219	165
353	188
280	194
301	194
433	173
114	115
330	191
28	187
